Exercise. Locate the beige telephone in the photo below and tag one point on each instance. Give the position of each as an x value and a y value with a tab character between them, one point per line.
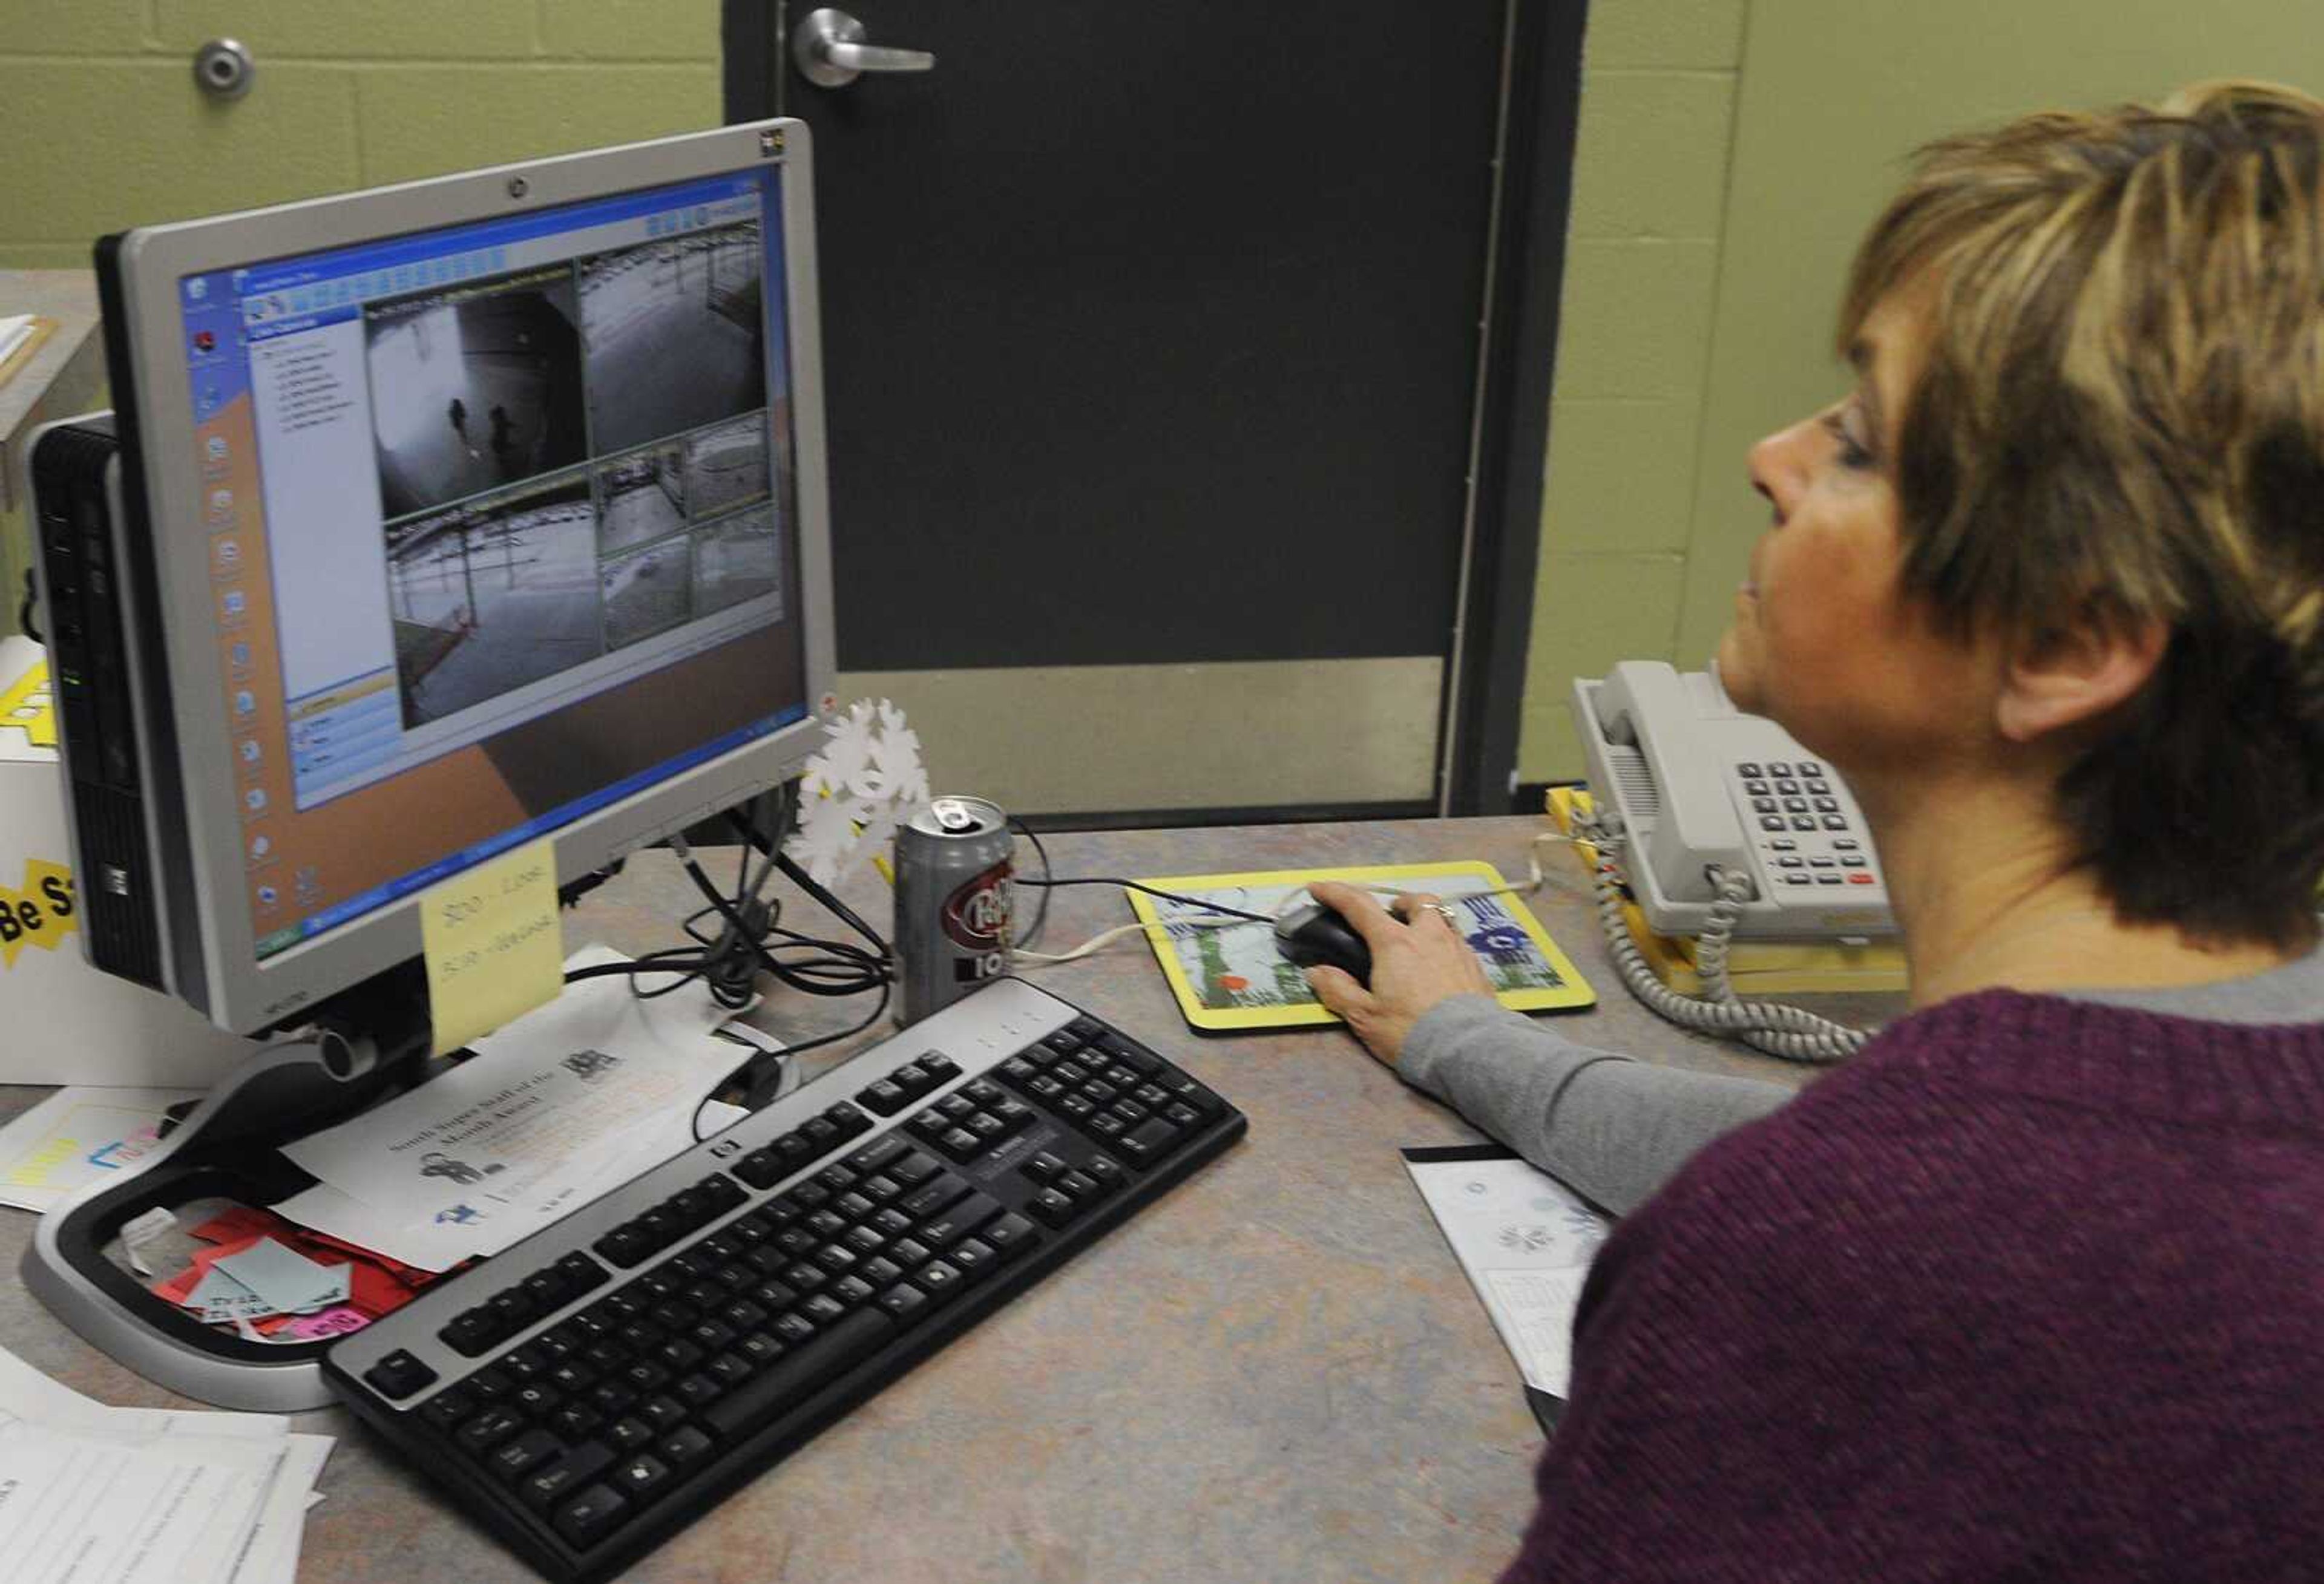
1706	795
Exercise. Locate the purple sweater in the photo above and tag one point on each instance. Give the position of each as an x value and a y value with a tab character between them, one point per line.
2033	1289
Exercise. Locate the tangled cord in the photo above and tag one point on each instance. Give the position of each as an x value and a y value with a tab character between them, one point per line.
1771	1027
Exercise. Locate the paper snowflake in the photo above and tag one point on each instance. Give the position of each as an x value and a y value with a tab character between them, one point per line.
856	787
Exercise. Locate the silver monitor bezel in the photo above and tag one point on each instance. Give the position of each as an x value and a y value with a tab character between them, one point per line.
241	993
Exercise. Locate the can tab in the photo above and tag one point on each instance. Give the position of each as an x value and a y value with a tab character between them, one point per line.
954	815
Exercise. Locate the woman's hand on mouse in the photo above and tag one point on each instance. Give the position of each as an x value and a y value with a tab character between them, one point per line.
1418	959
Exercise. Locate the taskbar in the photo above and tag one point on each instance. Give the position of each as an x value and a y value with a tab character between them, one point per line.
402	886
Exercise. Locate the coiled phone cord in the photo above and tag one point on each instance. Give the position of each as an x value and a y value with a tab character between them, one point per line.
1771	1027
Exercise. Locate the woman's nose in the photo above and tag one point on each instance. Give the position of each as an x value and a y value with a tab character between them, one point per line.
1778	467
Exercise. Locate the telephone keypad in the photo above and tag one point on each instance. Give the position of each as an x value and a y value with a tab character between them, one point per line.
1788	809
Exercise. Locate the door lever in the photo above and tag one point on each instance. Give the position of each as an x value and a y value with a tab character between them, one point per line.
828	48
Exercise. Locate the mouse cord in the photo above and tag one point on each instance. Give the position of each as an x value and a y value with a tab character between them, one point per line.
1789	1032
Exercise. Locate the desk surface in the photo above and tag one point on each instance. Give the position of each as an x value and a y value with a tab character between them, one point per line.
1276	1372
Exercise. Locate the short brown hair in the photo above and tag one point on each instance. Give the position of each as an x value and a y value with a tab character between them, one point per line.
2122	418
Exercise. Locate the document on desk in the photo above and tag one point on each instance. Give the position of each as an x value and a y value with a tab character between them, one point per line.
550	1111
1526	1243
77	1136
92	1495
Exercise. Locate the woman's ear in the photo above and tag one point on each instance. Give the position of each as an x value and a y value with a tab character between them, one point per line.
2077	673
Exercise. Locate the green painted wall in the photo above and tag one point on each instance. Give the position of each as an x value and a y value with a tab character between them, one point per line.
1643	258
1695	324
102	125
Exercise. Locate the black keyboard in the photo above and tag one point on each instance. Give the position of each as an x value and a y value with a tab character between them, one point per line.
592	1390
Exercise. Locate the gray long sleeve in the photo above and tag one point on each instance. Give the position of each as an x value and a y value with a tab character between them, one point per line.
1610	1129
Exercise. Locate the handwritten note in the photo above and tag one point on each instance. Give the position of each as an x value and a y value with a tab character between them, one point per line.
493	944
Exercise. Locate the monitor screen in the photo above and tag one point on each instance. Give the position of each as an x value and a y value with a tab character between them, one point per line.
502	528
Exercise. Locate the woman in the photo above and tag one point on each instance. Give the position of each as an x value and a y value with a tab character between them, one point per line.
2034	1287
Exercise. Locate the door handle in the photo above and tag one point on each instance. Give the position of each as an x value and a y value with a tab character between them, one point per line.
828	48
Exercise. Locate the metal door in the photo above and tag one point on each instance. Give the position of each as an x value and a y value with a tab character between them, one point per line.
1152	351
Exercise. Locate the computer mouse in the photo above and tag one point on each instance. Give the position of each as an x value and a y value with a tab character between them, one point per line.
1312	936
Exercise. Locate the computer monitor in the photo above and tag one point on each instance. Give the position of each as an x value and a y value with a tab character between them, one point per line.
448	515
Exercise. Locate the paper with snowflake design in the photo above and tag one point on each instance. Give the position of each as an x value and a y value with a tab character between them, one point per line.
866	777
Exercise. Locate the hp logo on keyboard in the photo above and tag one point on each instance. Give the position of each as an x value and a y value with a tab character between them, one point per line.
724	1147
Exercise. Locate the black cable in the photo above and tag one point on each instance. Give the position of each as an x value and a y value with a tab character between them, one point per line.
1041	911
1150	890
789	1052
27	615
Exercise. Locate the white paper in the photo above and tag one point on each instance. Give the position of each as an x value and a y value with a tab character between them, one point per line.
289	1282
93	1494
77	1136
1526	1243
13	330
552	1109
271	1554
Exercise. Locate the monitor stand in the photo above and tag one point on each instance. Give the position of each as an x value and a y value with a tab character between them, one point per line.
369	1046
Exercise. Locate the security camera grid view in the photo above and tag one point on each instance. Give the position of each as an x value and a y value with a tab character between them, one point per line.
572	458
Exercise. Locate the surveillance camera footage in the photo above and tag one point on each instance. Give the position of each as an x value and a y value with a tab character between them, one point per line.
573	458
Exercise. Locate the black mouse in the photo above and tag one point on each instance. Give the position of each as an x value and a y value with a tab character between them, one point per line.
1311	936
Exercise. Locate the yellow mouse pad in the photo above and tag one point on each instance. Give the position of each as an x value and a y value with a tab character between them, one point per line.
1231	977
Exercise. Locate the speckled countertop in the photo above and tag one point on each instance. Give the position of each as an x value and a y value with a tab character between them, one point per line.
1275	1373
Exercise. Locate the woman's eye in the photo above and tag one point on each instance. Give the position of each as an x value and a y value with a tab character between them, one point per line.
1852	455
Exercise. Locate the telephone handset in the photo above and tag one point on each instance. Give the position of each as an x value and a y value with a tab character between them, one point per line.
1699	786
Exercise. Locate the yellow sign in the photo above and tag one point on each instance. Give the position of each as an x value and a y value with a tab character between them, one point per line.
27	705
494	942
40	914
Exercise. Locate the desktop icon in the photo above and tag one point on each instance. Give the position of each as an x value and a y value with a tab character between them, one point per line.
221	502
245	702
228	553
249	749
204	341
261	846
255	800
196	288
232	603
268	895
214	448
238	656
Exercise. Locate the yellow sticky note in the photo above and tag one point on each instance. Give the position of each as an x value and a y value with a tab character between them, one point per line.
494	941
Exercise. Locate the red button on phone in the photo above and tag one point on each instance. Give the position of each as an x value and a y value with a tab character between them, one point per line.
1859	880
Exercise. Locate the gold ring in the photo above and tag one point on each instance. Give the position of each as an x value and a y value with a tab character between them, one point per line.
1441	911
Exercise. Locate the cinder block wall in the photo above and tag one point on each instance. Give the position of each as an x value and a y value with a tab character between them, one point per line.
1658	93
102	126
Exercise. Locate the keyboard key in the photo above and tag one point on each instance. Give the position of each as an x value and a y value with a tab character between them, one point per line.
627	1435
973	1257
838	1349
1149	1143
903	1302
914	1169
527	1453
661	1414
472	1333
642	1478
490	1383
886	1097
960	1144
1010	1235
1053	1207
552	1482
1044	1167
488	1429
937	1279
685	1446
934	1194
592	1516
399	1375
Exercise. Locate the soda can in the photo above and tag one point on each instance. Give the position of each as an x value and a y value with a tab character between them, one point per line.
955	894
